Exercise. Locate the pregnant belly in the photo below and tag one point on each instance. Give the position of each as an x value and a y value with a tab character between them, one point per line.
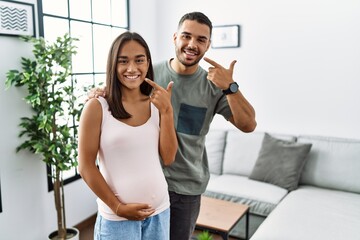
149	190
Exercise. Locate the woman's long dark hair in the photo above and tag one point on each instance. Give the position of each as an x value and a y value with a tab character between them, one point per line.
113	85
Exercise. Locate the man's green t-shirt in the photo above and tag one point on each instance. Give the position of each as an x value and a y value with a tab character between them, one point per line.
195	101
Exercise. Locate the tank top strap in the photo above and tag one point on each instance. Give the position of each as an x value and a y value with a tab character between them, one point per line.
155	117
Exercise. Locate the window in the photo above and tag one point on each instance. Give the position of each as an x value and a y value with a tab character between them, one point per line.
95	23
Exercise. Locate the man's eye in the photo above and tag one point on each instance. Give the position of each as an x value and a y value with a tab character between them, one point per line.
186	36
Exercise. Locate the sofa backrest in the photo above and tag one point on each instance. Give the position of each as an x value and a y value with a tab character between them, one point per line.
332	163
242	150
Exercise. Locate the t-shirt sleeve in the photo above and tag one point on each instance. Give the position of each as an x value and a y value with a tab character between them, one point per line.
223	108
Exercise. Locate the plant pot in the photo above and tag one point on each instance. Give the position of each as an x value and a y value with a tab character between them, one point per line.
71	234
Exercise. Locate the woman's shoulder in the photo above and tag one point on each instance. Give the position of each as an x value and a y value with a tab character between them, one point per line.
93	104
92	112
98	101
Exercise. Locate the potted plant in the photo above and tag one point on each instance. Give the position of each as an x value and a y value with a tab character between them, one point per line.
205	235
49	132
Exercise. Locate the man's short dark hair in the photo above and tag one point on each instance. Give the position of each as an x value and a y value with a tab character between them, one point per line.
196	16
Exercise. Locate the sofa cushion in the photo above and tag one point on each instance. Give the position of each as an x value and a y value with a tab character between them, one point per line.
261	197
332	163
313	213
242	149
215	144
241	152
280	162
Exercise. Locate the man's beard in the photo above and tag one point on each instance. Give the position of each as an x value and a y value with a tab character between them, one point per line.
186	63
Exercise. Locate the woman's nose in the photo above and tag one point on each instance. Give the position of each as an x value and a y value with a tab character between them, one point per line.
131	67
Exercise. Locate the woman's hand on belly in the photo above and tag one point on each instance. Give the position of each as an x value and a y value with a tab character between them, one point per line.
135	211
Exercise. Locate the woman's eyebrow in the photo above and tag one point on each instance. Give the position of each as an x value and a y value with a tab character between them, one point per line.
137	56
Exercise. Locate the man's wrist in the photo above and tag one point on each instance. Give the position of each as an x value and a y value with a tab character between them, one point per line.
233	88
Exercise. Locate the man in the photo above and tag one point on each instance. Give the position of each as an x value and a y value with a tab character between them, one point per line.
197	96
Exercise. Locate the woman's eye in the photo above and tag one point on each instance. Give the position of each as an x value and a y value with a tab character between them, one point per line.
122	61
141	60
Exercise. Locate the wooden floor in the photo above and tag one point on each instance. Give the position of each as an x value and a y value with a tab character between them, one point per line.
87	233
86	229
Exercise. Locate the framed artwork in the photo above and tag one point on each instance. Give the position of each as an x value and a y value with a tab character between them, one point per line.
226	36
17	18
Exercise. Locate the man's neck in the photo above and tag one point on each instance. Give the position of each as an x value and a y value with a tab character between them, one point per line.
180	68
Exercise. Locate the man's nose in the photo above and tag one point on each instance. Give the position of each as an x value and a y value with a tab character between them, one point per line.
191	43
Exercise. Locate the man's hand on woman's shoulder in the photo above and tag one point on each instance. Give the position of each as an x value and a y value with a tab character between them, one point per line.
95	92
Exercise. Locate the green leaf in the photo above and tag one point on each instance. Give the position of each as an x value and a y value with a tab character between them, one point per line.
205	235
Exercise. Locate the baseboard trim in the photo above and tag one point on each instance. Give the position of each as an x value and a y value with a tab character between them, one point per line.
90	221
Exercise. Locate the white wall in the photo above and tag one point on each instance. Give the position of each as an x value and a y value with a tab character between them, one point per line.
144	20
298	64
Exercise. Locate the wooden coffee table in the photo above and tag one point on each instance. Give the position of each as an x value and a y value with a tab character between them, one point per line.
220	216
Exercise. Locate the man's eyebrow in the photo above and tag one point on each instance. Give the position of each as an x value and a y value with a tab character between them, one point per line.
202	37
186	33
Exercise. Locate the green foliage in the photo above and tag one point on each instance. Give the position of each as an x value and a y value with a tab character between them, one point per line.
50	131
205	235
47	77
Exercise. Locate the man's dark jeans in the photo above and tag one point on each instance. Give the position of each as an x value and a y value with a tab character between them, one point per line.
184	210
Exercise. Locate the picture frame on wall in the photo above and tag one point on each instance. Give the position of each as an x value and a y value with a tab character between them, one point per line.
17	18
226	36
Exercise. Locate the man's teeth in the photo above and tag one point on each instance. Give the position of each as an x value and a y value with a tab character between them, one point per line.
190	53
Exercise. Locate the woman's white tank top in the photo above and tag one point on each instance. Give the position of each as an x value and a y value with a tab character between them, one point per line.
129	161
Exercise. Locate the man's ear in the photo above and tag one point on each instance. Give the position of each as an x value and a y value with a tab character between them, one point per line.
208	45
174	37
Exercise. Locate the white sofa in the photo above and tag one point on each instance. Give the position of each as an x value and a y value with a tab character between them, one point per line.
325	204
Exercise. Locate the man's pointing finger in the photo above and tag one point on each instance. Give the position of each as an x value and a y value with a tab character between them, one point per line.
212	62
